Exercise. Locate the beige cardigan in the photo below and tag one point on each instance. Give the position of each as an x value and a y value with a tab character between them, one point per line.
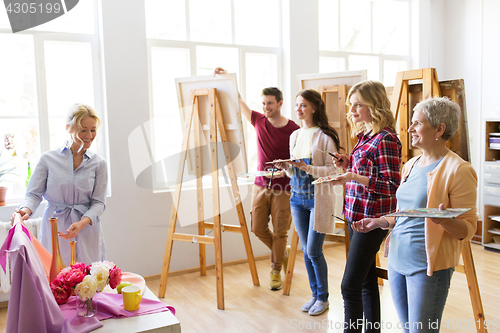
322	165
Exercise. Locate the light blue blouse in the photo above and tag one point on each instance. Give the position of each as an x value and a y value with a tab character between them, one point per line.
71	195
407	243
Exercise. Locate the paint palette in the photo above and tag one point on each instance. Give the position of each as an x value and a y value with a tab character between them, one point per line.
325	179
286	160
252	174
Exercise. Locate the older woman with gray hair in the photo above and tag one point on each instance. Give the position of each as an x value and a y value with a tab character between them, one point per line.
424	251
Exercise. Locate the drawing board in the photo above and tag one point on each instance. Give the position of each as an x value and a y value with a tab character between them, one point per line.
228	98
455	91
334	88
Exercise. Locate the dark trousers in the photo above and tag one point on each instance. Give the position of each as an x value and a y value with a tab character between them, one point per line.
359	284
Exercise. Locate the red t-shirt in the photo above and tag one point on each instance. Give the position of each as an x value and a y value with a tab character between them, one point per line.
272	144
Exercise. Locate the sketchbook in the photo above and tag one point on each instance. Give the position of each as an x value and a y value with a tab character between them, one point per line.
436	213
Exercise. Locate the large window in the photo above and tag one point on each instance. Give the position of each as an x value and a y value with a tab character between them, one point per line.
44	70
365	34
192	37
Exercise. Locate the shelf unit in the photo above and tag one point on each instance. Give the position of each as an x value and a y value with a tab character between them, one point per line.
491	187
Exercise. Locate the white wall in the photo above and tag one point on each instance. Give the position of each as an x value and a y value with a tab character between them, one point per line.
462	44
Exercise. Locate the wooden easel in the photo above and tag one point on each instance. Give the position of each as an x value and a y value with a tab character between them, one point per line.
400	106
216	119
347	144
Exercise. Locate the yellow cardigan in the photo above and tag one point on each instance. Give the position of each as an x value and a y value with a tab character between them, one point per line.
454	183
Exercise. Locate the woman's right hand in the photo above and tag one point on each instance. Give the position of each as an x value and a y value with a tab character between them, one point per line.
368	224
219	70
340	160
24	212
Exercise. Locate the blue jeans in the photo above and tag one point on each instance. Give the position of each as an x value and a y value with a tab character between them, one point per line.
419	299
302	208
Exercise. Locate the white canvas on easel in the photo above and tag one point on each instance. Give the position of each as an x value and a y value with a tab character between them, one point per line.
227	90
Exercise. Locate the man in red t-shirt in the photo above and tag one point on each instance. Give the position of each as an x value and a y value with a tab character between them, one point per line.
273	135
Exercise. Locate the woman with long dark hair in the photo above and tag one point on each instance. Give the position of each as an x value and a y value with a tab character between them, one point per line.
309	147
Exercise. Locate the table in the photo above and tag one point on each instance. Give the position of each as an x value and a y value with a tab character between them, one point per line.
156	322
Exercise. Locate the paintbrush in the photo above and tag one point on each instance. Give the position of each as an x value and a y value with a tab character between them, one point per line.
331	154
348	222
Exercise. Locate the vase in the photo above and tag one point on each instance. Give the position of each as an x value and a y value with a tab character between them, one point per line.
3	194
87	308
72	244
57	264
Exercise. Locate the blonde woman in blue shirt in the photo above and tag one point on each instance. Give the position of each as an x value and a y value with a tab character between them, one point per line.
73	181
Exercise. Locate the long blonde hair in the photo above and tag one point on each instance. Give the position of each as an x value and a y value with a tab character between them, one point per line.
76	113
374	95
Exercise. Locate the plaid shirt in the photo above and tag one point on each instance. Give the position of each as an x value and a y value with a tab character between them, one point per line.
377	157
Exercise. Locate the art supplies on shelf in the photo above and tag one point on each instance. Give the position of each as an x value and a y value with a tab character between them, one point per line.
494	231
495	218
449	213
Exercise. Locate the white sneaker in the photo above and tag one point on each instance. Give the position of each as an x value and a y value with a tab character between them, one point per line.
318	308
308	305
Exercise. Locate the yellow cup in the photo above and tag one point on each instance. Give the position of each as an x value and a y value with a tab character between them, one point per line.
131	297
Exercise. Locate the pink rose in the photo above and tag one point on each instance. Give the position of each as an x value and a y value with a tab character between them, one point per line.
60	291
115	277
74	277
79	266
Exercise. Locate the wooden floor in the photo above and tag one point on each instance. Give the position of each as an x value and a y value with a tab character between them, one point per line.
258	309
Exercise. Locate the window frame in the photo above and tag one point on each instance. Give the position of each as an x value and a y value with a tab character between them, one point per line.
41	112
381	57
242	51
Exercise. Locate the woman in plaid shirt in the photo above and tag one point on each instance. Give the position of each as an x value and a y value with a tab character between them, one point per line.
371	179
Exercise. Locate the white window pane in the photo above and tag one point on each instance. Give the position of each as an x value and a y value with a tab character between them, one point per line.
210	21
391	68
26	148
331	64
209	57
166	65
328	25
261	72
355	23
391	27
80	19
67	83
4	19
370	63
166	19
17	80
253	27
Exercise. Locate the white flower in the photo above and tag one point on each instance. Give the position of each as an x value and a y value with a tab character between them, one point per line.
100	271
87	288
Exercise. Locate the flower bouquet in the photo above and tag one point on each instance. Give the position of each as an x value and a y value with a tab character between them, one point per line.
84	281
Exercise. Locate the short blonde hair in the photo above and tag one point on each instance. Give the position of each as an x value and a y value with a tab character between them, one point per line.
374	95
76	113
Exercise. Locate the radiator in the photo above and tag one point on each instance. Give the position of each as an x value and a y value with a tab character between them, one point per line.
34	226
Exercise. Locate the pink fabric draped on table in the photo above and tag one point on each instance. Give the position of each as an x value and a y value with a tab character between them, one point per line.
32	307
111	306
